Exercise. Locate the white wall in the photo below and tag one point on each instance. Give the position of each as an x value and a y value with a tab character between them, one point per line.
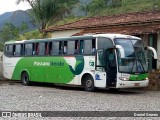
158	50
65	33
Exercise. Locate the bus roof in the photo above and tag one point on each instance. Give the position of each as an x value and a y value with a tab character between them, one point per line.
112	36
86	36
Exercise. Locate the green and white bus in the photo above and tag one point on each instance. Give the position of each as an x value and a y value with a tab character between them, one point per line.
93	61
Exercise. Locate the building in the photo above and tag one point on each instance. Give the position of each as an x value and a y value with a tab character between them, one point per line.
142	24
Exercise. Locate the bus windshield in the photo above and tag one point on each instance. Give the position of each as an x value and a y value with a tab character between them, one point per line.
135	59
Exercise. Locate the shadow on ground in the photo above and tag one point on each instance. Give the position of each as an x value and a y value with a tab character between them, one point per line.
76	88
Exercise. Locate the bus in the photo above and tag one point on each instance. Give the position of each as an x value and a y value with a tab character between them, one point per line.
93	61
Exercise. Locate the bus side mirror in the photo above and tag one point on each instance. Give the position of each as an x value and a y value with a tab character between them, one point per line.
120	48
153	50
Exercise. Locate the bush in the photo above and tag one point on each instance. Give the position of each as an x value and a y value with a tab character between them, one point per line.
31	35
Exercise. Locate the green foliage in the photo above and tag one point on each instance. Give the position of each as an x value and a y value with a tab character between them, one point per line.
112	7
31	35
1	46
9	31
23	27
96	6
46	12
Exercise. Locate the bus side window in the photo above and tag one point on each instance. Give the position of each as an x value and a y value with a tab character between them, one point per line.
41	49
17	50
46	48
65	47
93	46
76	47
6	52
81	46
87	46
9	50
22	49
55	48
60	47
14	49
50	48
71	47
29	49
37	49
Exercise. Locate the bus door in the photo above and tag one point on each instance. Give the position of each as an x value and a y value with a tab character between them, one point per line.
106	63
100	74
111	67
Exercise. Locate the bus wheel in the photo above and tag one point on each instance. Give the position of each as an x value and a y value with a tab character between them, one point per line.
89	84
25	78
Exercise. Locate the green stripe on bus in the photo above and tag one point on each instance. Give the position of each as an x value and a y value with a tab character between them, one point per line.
138	77
48	69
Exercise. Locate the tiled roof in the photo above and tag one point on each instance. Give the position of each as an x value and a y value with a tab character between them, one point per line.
132	30
122	19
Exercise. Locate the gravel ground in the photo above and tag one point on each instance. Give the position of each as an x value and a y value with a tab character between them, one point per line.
44	97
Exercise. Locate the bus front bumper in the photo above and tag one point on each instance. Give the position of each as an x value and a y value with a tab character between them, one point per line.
132	84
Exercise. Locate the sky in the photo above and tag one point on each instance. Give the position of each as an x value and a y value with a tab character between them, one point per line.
10	5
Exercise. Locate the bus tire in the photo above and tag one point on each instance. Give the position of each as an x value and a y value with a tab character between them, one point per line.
89	84
25	79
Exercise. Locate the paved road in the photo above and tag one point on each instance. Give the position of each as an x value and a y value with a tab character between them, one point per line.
16	97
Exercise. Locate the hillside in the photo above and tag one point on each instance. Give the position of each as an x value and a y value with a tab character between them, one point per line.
16	18
113	7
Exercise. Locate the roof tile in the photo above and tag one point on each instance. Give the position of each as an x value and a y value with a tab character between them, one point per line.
128	18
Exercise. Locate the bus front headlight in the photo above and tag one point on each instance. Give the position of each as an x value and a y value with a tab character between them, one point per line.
147	78
123	78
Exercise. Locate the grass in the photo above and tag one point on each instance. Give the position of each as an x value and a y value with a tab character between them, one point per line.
128	6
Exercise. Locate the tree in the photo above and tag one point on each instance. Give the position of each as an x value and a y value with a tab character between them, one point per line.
46	12
84	7
9	31
24	27
96	6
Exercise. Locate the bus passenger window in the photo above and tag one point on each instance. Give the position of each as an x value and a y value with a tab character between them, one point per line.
46	48
71	47
87	46
65	47
76	47
50	48
41	49
37	48
29	49
17	50
60	48
93	46
55	48
81	47
14	49
9	50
